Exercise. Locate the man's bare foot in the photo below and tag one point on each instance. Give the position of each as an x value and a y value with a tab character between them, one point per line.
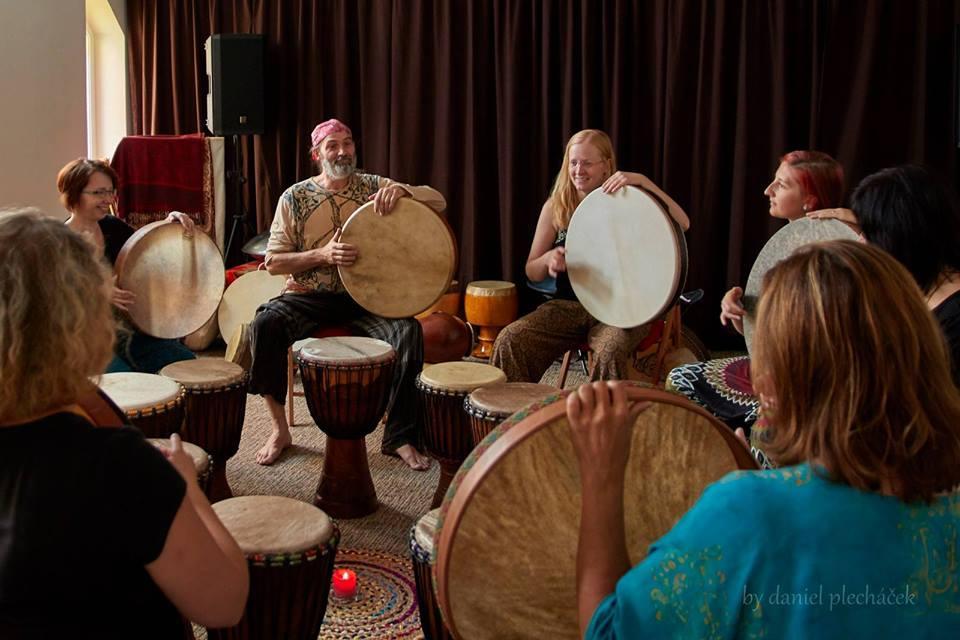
414	459
274	446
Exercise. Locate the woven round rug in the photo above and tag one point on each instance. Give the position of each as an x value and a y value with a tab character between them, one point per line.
386	602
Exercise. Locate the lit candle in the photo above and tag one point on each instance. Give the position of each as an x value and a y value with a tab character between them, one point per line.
344	584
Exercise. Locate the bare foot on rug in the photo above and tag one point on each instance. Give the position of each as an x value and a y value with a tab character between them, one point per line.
274	446
414	459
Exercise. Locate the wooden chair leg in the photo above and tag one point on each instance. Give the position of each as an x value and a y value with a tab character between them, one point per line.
564	367
668	341
290	386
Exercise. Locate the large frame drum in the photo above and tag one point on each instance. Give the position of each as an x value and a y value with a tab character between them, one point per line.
214	408
489	305
290	548
506	550
152	403
346	381
422	536
442	389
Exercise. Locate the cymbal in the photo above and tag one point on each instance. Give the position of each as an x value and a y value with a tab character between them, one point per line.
256	247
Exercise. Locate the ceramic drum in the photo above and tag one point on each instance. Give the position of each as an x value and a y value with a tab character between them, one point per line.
201	460
489	406
346	382
290	548
214	409
421	552
442	389
489	305
152	403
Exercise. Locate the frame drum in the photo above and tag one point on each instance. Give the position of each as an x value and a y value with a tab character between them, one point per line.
241	299
780	247
177	278
405	260
506	551
626	257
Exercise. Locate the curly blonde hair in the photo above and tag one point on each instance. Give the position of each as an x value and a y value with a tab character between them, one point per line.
563	197
856	374
56	327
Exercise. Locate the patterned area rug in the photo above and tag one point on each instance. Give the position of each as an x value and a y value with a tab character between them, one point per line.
386	604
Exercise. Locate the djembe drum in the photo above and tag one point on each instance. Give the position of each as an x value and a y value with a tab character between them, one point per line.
442	389
290	548
346	381
489	305
506	548
489	406
214	408
201	461
421	555
152	403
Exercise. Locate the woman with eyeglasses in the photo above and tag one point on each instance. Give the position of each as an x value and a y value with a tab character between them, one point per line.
525	349
88	191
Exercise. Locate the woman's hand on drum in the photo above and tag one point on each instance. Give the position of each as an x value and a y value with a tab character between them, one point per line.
557	262
621	179
121	298
601	426
386	198
185	220
731	310
182	462
841	214
336	253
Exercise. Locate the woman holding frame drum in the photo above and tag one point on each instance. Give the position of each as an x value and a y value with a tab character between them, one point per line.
804	182
855	534
94	522
525	349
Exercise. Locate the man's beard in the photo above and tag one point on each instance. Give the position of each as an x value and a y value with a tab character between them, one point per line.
342	167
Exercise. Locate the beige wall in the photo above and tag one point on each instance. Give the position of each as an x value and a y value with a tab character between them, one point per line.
43	108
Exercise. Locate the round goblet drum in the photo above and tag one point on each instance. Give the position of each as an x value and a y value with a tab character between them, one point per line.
152	403
447	434
421	555
201	460
489	305
489	406
507	537
290	547
346	381
214	408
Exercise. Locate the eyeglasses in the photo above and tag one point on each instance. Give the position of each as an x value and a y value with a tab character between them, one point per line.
102	193
586	164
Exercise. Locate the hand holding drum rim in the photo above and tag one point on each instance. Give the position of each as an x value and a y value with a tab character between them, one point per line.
731	309
336	253
601	428
386	198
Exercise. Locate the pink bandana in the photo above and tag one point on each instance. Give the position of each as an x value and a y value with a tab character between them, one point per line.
324	129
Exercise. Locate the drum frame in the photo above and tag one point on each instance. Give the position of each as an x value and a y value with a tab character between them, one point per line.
345	489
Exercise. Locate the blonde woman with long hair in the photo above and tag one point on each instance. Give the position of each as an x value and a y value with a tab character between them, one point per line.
526	348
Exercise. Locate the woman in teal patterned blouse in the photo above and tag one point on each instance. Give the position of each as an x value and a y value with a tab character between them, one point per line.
857	534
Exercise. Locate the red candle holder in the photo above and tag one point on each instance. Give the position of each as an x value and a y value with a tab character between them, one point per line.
344	584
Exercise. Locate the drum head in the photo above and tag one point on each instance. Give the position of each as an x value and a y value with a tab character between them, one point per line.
425	530
509	397
780	247
178	279
626	257
137	391
241	299
508	531
493	288
405	262
346	350
204	373
461	376
274	525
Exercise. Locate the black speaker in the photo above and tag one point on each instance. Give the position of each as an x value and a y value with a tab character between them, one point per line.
234	83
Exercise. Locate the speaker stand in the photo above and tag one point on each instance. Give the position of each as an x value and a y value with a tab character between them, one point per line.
240	212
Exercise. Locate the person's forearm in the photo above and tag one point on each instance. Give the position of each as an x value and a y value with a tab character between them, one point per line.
292	262
536	270
602	551
427	195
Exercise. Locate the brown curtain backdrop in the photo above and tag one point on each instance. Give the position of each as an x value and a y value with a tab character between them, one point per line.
478	98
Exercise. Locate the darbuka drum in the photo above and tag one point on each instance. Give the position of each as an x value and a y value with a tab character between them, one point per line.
445	337
177	278
290	548
626	257
405	260
153	404
201	461
346	382
489	406
442	389
489	305
214	409
781	246
421	552
241	299
507	544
